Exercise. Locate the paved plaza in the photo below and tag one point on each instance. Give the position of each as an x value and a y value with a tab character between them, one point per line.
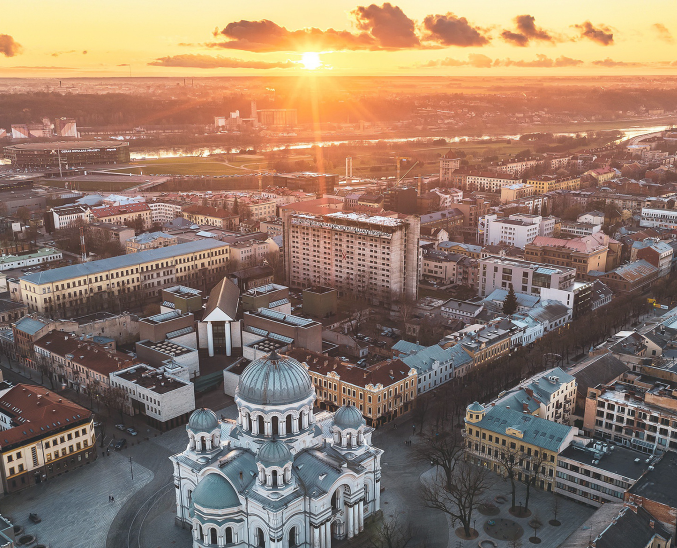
74	507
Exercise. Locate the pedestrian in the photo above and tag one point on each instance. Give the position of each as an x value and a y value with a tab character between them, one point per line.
109	497
112	499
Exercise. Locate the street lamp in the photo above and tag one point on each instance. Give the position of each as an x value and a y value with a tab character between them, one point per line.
131	468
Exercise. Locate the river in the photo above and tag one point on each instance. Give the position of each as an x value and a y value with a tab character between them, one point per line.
180	151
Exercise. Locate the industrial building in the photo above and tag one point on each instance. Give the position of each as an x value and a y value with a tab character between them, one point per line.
67	154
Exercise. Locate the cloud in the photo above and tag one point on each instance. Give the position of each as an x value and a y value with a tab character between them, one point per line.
663	33
384	27
388	25
608	62
266	36
479	60
602	35
8	47
526	31
542	61
23	67
209	62
450	30
476	60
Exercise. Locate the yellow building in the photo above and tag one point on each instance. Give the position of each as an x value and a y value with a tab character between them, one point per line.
43	436
211	216
496	435
548	183
111	282
381	392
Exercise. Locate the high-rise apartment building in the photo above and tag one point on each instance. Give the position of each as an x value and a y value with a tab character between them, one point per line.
372	256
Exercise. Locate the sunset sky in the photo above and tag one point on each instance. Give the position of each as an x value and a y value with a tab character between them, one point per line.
406	37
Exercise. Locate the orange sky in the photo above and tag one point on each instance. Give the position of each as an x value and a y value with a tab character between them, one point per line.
213	37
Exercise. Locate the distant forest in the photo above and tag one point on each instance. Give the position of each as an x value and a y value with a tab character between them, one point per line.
338	106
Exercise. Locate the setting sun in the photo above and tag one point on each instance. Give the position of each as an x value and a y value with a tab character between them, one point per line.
311	60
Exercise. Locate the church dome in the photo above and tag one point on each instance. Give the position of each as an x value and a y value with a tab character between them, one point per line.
274	453
274	380
215	492
348	416
203	420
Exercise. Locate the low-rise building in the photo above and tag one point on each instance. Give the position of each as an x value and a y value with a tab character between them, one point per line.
211	216
80	363
525	276
123	214
182	360
635	276
302	332
42	435
164	400
594	472
440	267
66	216
575	229
549	183
149	240
381	392
162	212
517	230
584	254
40	257
494	434
465	311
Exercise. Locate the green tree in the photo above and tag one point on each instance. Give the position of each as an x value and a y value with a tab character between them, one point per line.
510	302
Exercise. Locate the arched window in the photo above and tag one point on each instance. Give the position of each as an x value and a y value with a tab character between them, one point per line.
249	421
260	541
229	535
288	424
293	537
274	478
262	428
275	423
212	536
300	422
199	531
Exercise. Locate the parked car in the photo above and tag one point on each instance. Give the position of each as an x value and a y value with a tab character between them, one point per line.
120	444
132	431
121	427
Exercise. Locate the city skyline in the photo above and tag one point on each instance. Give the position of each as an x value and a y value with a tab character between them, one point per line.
344	38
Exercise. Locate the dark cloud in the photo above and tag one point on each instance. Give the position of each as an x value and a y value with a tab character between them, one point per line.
608	62
450	30
8	47
209	62
663	33
264	36
526	31
602	35
541	61
388	25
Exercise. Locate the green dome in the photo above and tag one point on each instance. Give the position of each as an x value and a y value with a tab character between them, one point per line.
203	420
215	492
274	380
476	407
274	453
348	416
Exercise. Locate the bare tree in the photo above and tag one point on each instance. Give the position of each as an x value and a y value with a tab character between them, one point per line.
421	407
530	474
45	368
444	450
392	533
460	497
115	399
509	458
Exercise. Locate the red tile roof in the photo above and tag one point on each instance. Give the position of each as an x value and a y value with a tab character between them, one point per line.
104	211
36	412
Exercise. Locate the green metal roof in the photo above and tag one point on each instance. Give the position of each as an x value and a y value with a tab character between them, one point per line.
214	492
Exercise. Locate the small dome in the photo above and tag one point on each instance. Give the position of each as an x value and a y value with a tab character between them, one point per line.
215	492
203	420
274	380
348	416
476	406
274	453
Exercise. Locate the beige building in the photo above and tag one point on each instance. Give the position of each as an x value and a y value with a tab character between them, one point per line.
211	216
79	288
373	256
60	437
548	183
120	215
381	392
149	240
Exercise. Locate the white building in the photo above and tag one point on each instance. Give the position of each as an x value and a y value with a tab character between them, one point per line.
69	215
489	182
39	257
517	230
575	229
525	276
592	217
164	213
658	218
163	399
276	477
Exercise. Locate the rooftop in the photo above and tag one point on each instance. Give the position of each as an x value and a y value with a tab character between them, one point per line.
36	412
167	347
615	459
109	211
104	265
659	484
151	379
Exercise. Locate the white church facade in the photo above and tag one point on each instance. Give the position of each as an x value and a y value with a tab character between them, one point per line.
277	478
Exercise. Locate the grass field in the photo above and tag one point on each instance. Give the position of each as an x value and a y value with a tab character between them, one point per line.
187	165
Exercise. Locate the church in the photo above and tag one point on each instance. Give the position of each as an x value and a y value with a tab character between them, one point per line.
278	477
